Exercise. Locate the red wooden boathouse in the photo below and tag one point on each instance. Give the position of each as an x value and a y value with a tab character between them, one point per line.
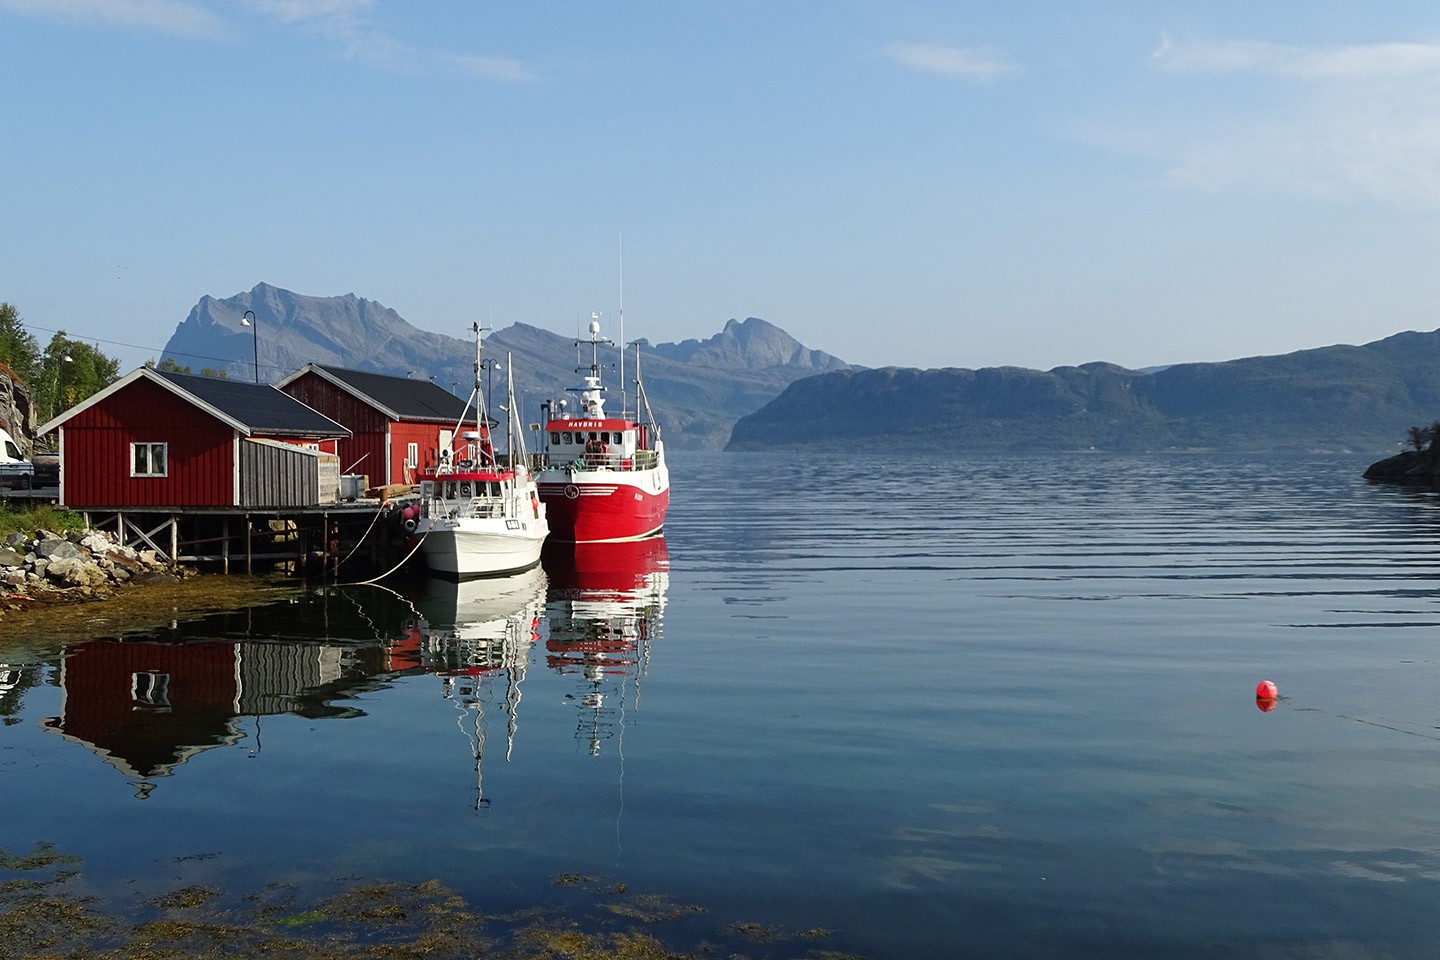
157	439
398	426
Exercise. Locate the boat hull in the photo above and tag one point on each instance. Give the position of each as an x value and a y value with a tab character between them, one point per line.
604	506
465	549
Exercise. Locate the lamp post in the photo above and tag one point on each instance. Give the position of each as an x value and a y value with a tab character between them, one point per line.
58	404
490	364
248	319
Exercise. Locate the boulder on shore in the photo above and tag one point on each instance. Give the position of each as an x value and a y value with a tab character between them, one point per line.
80	565
1415	468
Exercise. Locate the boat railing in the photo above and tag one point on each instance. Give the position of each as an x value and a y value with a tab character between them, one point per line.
485	507
641	460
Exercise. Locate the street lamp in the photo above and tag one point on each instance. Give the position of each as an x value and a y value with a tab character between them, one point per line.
490	365
59	401
248	319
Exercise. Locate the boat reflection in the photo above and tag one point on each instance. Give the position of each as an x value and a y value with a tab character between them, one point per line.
605	606
477	636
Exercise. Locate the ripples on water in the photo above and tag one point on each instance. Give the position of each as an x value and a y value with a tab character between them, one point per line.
946	707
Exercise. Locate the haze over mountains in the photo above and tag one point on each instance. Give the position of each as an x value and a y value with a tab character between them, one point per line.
696	388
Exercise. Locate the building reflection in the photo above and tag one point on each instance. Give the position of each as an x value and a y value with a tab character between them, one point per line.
147	706
476	635
605	606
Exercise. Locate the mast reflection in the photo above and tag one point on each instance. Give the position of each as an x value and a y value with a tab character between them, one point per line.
476	635
606	604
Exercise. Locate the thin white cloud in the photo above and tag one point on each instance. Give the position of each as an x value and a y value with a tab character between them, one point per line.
1344	124
972	64
299	11
173	17
1305	63
347	24
489	68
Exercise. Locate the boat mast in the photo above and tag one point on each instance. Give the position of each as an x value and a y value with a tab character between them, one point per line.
624	398
482	416
514	436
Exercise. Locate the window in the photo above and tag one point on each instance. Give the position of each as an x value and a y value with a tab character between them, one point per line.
412	454
149	689
568	437
554	436
148	459
12	451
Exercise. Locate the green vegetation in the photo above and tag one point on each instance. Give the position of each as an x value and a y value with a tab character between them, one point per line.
27	519
369	920
61	375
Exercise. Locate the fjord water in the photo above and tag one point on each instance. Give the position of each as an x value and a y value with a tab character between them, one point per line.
943	707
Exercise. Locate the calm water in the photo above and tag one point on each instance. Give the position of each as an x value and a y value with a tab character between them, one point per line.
979	707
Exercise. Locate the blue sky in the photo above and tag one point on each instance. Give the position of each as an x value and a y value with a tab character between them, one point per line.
912	183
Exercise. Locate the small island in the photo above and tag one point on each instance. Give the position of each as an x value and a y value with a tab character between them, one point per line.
1418	466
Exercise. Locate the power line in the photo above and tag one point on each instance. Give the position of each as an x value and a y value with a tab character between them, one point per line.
157	350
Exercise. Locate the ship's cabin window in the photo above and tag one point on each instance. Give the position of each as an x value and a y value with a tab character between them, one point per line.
593	435
465	488
568	437
554	436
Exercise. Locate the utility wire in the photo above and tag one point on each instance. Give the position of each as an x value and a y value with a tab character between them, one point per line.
156	350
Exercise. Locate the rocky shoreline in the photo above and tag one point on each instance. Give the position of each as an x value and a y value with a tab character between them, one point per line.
76	565
1412	468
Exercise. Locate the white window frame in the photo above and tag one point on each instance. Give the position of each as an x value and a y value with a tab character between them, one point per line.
149	449
412	454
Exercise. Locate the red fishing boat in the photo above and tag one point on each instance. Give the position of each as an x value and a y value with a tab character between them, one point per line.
602	479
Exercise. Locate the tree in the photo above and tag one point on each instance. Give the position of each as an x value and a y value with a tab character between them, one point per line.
168	365
70	371
18	348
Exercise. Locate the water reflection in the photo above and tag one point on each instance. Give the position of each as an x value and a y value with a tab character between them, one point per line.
477	636
145	707
147	704
605	607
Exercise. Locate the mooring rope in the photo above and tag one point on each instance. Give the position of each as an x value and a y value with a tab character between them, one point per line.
363	583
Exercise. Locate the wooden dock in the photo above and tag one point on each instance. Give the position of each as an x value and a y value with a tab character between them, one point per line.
314	540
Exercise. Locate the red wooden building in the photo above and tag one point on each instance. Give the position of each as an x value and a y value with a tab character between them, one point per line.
398	426
156	439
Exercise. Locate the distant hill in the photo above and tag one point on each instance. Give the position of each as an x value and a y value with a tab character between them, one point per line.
697	388
1333	398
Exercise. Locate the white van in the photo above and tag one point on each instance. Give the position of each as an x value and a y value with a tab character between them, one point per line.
15	471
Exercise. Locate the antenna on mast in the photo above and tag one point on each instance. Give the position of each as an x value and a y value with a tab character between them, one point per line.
624	394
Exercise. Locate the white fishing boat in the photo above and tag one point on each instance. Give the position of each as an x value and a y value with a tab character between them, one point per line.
480	513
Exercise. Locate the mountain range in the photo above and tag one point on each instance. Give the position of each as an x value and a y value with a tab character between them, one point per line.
1361	398
697	389
754	386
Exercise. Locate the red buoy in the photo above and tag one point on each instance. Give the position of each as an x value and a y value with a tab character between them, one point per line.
1266	690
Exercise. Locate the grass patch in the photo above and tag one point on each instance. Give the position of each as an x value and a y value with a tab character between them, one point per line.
32	517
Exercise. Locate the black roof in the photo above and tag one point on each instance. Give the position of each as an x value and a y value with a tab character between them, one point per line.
411	399
259	406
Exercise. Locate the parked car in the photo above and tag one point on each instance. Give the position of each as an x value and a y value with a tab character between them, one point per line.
17	473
